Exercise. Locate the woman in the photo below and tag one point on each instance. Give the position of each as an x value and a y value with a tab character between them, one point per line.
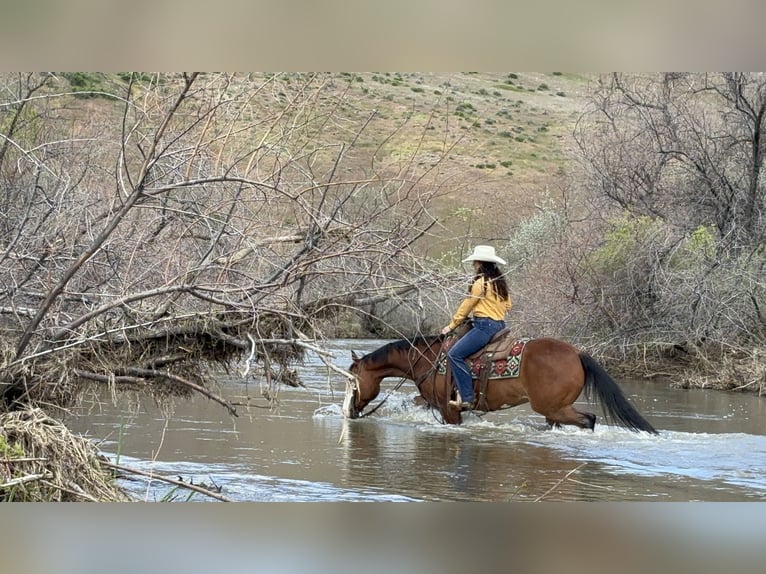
488	301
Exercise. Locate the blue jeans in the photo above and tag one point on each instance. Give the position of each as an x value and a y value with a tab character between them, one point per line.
482	332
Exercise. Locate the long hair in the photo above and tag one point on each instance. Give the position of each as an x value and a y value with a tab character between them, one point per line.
491	273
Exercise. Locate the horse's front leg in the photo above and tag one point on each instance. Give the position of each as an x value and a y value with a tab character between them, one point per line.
435	393
451	415
443	390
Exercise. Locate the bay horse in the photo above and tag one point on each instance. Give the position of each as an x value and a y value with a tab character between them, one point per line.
552	376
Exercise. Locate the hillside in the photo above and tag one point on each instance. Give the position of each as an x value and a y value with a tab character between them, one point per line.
514	134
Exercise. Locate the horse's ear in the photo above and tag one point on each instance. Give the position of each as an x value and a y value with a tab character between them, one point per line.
354	356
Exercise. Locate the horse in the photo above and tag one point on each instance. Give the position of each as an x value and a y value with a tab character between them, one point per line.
552	376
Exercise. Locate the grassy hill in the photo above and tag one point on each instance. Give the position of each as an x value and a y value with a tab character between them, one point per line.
512	134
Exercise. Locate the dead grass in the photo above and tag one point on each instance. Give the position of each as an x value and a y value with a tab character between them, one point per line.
712	366
728	370
42	461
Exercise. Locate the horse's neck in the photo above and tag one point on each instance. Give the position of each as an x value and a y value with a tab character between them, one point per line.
420	361
402	364
393	371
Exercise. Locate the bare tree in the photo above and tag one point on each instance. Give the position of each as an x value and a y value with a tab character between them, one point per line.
681	158
180	220
687	148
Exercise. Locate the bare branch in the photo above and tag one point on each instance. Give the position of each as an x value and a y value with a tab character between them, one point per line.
173	481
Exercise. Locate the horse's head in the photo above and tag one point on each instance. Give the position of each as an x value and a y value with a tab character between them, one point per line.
361	389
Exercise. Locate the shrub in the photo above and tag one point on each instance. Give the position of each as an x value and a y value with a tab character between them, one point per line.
696	248
85	85
535	236
627	236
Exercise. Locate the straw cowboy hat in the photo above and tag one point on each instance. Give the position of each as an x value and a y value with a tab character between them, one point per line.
484	253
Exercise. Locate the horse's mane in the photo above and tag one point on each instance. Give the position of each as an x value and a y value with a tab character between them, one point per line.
381	354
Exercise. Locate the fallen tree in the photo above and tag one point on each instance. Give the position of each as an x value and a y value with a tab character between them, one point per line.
176	223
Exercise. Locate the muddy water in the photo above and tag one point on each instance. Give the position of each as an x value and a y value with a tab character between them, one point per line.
712	447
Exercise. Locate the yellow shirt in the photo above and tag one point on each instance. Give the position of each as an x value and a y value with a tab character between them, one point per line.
482	304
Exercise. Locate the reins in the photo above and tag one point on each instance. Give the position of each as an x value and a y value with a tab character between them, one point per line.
380	404
402	380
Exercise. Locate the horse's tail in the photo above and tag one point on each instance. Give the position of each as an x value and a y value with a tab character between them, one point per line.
614	403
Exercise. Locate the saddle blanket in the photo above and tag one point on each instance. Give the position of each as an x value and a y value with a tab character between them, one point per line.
506	366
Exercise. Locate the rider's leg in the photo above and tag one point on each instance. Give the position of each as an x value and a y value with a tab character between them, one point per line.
482	332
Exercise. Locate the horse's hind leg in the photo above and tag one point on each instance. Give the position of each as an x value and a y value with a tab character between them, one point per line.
571	416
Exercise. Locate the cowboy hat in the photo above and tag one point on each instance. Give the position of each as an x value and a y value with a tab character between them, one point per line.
484	253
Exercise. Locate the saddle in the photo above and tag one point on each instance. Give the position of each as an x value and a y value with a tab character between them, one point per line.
500	358
500	343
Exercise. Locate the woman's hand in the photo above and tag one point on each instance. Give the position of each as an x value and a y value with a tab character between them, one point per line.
446	330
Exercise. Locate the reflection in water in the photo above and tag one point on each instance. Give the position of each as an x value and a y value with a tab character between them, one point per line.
711	447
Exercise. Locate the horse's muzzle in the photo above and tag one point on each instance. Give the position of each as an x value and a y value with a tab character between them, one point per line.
349	404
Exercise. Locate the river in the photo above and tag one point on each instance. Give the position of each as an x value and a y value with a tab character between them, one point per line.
711	447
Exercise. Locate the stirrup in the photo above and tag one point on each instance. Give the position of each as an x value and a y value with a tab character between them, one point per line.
462	405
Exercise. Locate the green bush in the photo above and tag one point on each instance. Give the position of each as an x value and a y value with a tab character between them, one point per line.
697	247
623	241
89	85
